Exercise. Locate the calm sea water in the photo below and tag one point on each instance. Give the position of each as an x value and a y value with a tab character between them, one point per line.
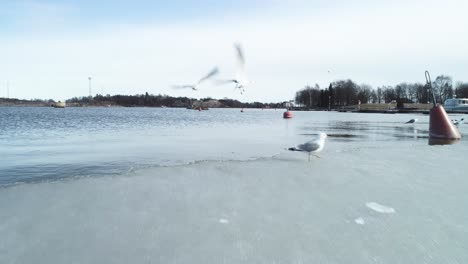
160	185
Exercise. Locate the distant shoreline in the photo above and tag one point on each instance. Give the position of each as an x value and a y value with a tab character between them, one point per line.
203	104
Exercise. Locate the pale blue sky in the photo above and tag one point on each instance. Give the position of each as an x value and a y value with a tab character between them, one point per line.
49	48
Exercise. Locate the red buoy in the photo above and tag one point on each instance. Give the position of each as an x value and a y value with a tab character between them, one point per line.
287	114
441	129
440	126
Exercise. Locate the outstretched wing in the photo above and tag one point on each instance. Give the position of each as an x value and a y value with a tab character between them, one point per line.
183	87
209	75
240	74
225	81
240	54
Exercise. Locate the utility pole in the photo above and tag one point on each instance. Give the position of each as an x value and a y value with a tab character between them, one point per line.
89	80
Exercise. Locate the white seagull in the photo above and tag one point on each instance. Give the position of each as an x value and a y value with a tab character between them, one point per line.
412	121
195	86
458	122
241	80
315	145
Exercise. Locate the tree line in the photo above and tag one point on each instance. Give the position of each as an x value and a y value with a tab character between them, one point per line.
346	93
22	102
150	100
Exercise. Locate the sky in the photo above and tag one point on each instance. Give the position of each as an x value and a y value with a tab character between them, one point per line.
49	48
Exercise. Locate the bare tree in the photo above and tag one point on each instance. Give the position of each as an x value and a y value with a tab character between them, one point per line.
443	88
364	93
373	97
412	92
379	95
388	94
461	90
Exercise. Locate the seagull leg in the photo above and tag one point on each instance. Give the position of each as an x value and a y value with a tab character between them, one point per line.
316	156
309	156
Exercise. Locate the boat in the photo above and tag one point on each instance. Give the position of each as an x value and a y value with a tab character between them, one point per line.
59	105
455	105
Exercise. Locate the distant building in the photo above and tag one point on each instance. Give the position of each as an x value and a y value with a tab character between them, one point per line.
289	104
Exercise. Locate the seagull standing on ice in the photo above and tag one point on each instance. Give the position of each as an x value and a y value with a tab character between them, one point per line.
458	122
241	80
412	121
195	86
315	145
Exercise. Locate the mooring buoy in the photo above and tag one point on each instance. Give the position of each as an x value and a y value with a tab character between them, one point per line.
440	125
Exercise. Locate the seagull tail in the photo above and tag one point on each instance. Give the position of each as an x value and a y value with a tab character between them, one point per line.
294	149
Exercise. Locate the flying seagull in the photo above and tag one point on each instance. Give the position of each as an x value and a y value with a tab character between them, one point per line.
194	87
315	145
241	80
412	121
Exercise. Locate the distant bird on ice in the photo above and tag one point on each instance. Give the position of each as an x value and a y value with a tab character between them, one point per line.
458	122
315	145
412	121
241	80
195	86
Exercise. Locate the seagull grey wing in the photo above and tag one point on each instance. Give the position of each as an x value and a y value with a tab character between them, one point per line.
209	75
225	81
240	54
309	146
240	72
183	86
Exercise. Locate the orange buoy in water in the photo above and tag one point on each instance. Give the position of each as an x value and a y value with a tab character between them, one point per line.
440	126
287	114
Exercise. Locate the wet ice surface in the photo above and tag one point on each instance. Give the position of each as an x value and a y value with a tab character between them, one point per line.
360	221
380	208
264	205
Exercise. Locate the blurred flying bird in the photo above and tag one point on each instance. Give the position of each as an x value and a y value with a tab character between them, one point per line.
195	86
241	80
315	145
